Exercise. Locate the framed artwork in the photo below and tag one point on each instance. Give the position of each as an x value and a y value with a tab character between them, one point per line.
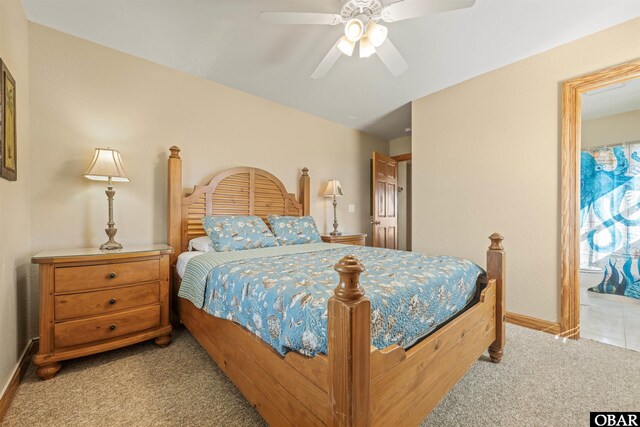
8	137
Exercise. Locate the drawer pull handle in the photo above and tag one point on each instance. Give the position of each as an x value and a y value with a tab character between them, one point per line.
112	301
113	326
112	275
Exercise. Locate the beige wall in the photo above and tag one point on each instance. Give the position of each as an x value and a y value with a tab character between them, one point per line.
398	146
85	96
611	130
486	157
14	200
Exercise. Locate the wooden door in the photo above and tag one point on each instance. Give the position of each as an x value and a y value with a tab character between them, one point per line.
385	201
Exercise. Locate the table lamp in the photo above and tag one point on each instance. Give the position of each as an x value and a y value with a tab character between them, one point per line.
107	166
334	189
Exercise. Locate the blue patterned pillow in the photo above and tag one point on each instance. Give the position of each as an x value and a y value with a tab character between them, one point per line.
294	230
236	233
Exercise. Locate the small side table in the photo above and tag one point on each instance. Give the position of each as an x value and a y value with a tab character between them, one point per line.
93	301
347	239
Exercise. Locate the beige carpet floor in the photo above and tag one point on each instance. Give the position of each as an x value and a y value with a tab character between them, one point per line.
541	381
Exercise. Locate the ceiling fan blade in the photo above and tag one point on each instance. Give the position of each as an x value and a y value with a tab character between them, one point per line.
392	58
409	9
300	18
327	62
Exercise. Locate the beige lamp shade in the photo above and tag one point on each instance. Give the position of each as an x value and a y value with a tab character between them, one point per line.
333	188
106	164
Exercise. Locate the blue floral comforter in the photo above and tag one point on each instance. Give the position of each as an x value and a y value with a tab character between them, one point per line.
281	293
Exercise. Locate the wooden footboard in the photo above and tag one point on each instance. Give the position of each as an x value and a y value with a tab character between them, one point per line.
409	387
289	390
402	387
356	384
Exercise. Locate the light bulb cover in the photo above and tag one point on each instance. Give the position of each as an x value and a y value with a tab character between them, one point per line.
376	33
346	46
366	47
353	29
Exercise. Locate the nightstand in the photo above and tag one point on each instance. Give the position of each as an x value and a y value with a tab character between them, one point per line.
347	239
93	301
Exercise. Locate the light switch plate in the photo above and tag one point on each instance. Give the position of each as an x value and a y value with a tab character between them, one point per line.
352	208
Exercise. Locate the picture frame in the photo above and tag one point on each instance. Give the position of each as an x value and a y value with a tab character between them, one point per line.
8	130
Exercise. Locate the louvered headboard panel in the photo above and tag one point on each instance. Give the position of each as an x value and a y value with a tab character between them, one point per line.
237	191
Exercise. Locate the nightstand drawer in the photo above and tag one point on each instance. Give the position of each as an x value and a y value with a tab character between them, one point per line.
102	302
100	328
68	279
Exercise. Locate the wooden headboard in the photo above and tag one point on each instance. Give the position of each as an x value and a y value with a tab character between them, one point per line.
237	191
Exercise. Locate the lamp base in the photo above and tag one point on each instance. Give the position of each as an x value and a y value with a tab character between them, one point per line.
111	245
335	231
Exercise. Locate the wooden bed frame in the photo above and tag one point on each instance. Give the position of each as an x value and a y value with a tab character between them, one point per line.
355	384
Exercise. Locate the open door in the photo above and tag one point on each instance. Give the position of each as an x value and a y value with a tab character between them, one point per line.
385	201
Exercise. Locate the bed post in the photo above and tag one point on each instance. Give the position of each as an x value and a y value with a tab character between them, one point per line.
349	347
305	189
174	215
496	270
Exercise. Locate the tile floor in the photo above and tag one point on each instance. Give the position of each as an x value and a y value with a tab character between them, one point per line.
611	319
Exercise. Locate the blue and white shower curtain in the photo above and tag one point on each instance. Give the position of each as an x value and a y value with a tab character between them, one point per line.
610	216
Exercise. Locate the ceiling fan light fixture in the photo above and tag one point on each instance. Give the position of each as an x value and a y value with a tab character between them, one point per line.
376	33
353	29
360	19
366	47
346	46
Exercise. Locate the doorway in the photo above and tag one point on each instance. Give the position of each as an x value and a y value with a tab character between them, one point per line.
404	201
400	150
598	204
392	196
610	214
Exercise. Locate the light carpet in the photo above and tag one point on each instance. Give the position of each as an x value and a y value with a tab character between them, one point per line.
541	381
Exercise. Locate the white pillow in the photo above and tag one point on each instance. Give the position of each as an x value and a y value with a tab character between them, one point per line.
202	244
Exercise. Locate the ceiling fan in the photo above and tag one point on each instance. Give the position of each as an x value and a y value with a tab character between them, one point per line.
361	24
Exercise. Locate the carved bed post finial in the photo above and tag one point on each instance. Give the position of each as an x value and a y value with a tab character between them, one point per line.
496	242
496	270
305	192
349	288
349	348
175	152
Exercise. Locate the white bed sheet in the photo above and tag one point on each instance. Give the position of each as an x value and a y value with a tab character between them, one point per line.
183	259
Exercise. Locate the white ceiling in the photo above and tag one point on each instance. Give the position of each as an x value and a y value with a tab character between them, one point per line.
223	41
615	99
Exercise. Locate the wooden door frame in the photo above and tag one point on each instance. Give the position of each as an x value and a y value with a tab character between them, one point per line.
402	157
570	181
